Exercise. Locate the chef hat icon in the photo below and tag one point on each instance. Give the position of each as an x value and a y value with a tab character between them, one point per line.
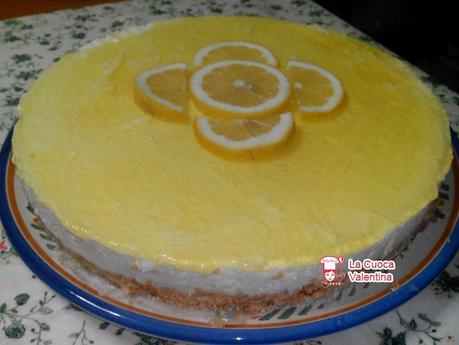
329	263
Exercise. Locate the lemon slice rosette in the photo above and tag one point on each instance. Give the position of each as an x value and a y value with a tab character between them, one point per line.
162	91
239	89
240	99
315	89
234	50
250	138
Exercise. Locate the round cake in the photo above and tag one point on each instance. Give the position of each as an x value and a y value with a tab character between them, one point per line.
140	200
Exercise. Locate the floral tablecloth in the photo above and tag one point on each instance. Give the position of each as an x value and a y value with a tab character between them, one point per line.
31	313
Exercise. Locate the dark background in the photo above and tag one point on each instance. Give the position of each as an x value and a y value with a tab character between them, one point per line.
426	33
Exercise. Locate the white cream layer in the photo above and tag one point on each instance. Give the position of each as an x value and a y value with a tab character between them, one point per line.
224	280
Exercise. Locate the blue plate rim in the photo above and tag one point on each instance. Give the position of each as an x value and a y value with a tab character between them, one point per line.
200	334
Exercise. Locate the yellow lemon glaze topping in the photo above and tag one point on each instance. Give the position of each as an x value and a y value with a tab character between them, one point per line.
145	187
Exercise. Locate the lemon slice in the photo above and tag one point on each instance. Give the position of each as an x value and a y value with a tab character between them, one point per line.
162	91
234	50
315	89
237	88
255	137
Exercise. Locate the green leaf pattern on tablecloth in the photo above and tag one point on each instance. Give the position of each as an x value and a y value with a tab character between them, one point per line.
447	283
427	331
31	314
19	318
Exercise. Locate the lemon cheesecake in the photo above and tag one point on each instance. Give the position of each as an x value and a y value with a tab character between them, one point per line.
212	162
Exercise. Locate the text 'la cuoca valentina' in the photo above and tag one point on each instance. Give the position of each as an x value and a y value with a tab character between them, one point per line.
371	265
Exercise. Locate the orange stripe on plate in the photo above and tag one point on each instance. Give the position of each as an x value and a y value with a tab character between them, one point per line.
27	235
